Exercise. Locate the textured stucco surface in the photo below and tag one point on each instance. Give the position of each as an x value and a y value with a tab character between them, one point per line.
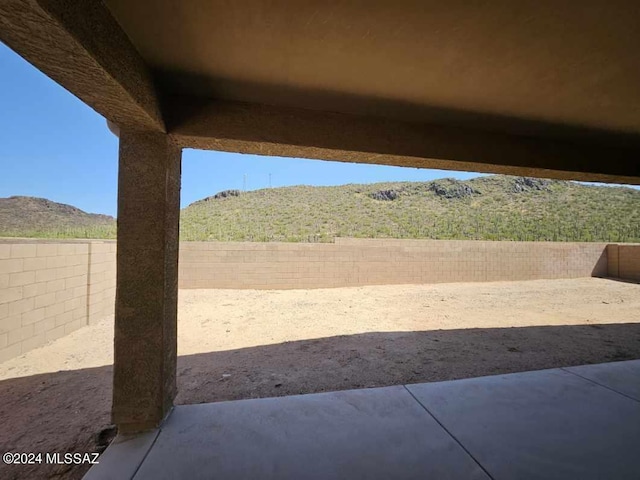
81	46
147	279
511	66
290	132
524	88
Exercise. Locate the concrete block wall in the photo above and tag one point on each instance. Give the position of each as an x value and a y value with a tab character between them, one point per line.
623	261
613	264
49	289
355	262
102	281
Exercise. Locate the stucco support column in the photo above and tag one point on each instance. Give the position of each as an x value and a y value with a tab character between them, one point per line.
144	382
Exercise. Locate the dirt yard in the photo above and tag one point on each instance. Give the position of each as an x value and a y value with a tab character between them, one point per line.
237	344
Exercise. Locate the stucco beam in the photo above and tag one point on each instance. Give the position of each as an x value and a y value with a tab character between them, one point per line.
287	132
81	46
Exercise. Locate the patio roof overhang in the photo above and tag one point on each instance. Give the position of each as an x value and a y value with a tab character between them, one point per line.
547	89
531	88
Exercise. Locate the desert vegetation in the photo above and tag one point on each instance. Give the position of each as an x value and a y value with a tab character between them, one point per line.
485	208
42	218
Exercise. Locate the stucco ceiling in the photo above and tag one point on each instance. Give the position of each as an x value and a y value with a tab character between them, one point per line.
544	67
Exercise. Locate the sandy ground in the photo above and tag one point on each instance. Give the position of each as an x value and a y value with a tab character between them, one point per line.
237	344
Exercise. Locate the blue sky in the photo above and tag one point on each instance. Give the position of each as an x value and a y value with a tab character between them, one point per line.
54	146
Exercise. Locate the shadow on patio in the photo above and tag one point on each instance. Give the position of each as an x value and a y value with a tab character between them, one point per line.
63	411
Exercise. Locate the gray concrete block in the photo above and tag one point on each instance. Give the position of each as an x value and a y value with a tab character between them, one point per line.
623	377
374	434
123	457
548	424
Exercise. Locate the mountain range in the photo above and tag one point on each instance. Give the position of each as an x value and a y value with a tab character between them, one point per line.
493	207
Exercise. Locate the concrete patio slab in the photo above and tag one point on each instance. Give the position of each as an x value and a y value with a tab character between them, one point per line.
623	377
547	424
123	457
374	434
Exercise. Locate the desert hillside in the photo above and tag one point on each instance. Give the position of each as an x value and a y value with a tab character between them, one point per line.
485	208
31	216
